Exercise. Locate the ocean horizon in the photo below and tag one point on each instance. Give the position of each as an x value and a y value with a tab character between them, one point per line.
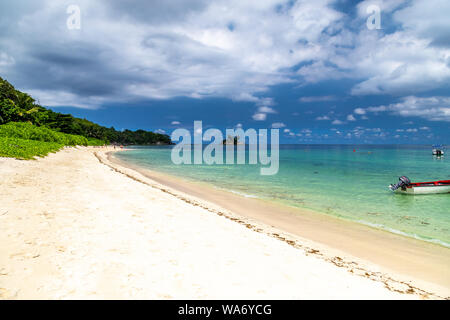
347	181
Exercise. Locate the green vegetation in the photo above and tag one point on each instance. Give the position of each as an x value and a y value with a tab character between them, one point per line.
16	106
23	140
26	149
28	129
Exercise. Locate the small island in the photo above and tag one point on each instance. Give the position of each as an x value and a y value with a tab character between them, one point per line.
231	140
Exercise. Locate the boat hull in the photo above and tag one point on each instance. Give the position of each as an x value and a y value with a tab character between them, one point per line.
424	190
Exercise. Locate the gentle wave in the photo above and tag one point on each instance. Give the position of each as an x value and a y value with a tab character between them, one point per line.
410	235
246	195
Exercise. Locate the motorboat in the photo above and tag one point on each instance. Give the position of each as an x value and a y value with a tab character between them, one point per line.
438	150
405	186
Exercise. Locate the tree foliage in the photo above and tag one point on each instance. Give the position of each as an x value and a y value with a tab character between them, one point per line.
28	131
17	106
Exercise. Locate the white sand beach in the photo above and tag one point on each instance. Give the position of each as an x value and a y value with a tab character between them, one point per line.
73	227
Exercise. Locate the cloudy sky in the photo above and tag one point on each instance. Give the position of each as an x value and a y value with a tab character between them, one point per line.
314	69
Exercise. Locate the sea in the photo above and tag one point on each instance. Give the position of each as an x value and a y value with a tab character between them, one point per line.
345	181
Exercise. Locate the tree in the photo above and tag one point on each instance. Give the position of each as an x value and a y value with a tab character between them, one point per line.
21	107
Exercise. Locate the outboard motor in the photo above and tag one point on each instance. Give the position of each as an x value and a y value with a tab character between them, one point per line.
402	183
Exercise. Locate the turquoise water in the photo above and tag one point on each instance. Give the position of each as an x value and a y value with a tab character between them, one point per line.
335	180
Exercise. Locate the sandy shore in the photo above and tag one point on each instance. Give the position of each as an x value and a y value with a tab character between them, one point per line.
76	225
395	255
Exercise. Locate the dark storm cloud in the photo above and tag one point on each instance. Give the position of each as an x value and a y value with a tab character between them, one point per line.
49	57
75	67
70	60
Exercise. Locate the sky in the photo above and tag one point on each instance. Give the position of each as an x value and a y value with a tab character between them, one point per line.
323	71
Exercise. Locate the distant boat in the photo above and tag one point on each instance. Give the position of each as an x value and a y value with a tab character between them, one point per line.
405	186
438	150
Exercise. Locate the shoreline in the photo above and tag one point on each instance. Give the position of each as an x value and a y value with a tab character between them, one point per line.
174	180
406	258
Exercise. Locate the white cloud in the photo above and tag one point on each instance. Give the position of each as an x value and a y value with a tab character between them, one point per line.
175	122
263	110
317	99
429	108
266	110
384	5
337	122
56	98
415	58
322	118
320	70
161	131
399	63
428	19
359	111
176	48
265	102
278	125
350	117
289	132
374	129
6	60
259	116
